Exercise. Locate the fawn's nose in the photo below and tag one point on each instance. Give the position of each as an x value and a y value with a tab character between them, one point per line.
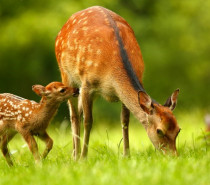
76	92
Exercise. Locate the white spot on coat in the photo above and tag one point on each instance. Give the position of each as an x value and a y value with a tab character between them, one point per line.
74	21
1	122
85	28
89	62
85	22
57	42
19	117
98	52
74	31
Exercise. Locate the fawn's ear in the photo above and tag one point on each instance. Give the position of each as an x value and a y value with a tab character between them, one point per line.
40	90
145	102
172	100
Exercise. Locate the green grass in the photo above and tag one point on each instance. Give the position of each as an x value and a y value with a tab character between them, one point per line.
105	164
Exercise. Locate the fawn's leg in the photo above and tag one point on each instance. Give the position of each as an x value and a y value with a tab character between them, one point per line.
48	141
4	141
88	119
125	114
31	144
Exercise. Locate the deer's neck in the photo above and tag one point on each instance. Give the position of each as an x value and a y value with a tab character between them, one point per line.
129	97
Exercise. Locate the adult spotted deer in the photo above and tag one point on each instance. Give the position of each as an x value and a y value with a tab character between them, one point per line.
30	118
97	51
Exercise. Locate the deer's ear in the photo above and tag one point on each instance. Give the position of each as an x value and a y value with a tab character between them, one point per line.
172	100
145	102
40	90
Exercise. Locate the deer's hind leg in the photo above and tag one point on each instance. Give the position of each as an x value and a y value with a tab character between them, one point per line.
48	141
5	138
31	144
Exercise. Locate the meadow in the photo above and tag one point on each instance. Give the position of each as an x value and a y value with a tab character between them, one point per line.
106	165
174	40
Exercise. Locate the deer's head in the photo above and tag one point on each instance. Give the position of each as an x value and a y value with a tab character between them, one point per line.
161	125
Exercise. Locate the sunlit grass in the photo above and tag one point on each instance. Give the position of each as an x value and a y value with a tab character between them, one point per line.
106	165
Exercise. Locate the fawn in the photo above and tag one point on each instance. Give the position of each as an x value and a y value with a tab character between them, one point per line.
19	115
97	51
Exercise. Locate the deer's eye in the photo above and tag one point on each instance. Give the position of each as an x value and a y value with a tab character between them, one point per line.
62	90
160	132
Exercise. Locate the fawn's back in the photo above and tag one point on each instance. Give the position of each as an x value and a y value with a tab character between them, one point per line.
14	108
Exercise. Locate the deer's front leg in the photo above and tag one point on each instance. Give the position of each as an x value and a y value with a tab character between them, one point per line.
74	118
48	141
88	119
75	125
32	145
125	115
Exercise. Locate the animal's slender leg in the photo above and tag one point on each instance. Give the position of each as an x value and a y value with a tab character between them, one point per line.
48	141
32	145
75	124
125	115
88	119
4	142
74	118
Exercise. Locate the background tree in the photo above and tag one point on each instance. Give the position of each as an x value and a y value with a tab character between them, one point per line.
173	36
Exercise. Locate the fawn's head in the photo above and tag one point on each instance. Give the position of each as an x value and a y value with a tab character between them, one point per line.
55	91
161	126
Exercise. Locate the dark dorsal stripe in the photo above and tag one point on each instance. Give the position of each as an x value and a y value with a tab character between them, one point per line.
125	59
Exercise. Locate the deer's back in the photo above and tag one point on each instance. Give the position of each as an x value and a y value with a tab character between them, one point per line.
89	47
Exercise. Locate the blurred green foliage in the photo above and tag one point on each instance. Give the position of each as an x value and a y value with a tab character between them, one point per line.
174	37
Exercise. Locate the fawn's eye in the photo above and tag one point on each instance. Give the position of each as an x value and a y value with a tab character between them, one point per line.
62	90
